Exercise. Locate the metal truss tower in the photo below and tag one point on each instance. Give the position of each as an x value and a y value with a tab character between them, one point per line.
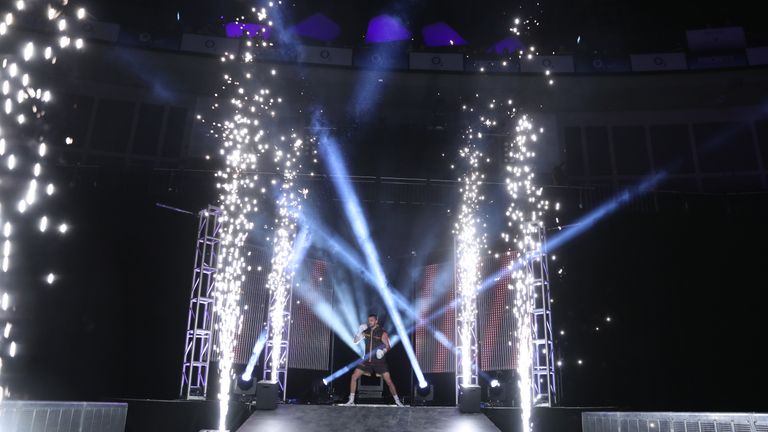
466	327
543	384
199	336
284	338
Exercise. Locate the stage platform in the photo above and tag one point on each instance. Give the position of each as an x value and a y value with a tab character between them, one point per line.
558	419
148	415
311	418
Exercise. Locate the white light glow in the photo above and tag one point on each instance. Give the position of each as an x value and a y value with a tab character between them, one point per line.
246	136
23	116
525	218
279	279
29	51
469	241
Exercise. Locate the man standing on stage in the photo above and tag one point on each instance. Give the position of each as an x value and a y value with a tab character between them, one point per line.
376	345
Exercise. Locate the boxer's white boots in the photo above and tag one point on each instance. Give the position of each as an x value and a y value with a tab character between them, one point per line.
397	401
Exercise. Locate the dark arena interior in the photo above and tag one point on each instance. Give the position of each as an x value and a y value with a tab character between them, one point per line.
392	215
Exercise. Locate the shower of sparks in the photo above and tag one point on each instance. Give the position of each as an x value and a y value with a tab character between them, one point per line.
281	276
239	136
525	222
249	135
248	107
22	145
525	29
469	242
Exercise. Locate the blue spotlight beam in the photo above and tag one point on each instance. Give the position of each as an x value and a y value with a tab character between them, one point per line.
303	241
341	372
439	336
351	261
355	217
586	222
369	87
324	311
321	308
576	229
349	313
347	256
257	348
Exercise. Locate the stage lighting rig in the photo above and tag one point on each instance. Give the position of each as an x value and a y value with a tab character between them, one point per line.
422	395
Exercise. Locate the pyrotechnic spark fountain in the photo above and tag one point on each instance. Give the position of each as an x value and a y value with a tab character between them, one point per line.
469	241
354	214
525	221
283	265
21	142
248	134
236	206
244	133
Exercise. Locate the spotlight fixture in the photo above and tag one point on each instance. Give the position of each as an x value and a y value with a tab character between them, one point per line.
321	393
245	386
424	394
501	389
496	393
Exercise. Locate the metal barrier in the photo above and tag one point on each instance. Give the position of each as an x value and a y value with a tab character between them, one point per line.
62	416
672	422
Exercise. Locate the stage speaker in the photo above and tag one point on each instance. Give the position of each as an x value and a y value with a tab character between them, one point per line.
321	393
469	398
266	395
370	387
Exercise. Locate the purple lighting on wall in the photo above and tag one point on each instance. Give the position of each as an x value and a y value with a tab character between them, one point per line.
386	28
318	27
510	45
238	30
441	34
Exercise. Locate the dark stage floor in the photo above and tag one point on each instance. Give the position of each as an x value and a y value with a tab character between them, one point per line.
309	418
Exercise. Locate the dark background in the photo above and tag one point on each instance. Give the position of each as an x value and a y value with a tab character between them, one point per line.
608	26
681	279
683	286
